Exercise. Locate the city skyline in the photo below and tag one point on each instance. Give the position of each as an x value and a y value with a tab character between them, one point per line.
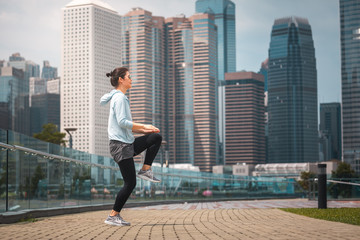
253	25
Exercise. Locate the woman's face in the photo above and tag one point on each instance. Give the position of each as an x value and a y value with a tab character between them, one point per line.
126	81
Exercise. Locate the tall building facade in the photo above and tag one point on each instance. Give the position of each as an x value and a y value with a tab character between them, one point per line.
45	108
245	119
171	26
29	68
224	12
14	100
48	72
330	126
179	85
91	47
350	80
264	69
44	101
205	90
292	93
143	54
36	86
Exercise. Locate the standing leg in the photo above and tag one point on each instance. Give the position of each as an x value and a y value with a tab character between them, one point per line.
127	168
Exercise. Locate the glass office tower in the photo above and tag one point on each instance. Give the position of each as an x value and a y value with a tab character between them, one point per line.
292	89
48	72
184	107
224	12
350	80
330	126
205	92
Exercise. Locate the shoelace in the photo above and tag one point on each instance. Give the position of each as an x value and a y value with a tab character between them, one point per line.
120	218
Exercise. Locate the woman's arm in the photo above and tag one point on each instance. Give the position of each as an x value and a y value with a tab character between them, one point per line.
144	128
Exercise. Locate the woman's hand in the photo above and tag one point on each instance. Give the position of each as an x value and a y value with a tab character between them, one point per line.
145	129
150	129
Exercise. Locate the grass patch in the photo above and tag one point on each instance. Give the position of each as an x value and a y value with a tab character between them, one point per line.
344	215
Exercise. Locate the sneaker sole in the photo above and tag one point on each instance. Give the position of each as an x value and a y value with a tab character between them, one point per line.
148	179
115	224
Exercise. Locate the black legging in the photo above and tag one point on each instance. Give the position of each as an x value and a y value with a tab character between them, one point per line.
151	143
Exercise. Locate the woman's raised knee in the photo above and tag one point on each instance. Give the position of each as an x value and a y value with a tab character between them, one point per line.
157	137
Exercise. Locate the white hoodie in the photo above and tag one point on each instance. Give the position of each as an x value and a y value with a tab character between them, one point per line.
120	121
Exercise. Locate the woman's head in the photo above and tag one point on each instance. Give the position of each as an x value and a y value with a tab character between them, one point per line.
117	75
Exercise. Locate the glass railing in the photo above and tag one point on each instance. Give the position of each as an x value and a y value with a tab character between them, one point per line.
337	188
35	174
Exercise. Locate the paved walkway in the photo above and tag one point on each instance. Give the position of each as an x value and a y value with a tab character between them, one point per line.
221	220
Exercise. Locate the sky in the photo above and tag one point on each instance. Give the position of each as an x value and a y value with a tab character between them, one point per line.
33	28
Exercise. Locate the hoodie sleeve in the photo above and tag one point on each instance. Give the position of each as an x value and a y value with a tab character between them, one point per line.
122	109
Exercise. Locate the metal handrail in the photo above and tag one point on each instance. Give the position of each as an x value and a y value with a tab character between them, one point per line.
349	183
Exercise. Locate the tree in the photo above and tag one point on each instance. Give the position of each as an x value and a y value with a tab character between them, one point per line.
344	173
51	134
305	178
343	170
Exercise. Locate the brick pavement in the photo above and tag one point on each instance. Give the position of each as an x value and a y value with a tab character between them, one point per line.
207	221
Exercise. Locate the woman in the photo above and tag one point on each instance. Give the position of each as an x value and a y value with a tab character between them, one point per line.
123	145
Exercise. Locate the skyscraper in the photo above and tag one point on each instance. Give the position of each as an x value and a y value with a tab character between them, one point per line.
14	100
245	119
350	80
224	12
45	108
330	126
205	90
180	104
292	89
48	72
91	47
18	90
264	71
44	101
143	51
29	68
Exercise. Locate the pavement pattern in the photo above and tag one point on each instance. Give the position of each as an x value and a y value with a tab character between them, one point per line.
213	220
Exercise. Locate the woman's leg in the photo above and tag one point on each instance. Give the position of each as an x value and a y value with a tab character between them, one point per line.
127	168
151	143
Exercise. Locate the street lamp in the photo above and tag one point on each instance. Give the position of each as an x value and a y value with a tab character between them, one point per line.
69	130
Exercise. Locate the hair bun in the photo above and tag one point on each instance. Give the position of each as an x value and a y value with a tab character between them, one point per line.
109	74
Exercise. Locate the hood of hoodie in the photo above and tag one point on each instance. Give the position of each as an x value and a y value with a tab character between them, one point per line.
107	97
